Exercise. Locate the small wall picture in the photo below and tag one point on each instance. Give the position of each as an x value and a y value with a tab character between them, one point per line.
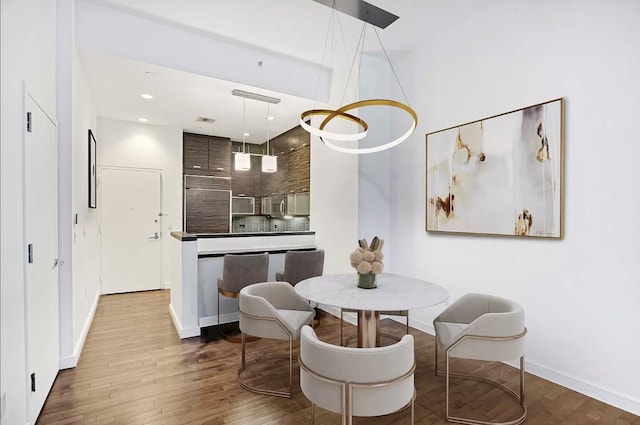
501	175
92	171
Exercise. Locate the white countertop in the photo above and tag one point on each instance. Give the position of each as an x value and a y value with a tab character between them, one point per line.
280	242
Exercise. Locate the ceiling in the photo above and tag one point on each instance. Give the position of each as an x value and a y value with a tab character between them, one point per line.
293	27
179	98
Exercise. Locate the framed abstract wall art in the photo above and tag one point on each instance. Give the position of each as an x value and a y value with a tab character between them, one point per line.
93	179
501	175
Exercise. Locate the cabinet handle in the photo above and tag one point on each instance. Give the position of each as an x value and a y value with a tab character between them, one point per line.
197	166
219	169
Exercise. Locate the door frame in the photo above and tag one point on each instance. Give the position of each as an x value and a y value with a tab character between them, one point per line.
25	251
160	217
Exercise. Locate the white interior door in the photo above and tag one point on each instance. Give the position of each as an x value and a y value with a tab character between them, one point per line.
130	205
41	236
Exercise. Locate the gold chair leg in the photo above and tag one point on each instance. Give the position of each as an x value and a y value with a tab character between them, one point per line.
243	366
435	350
341	327
347	417
413	413
446	409
243	344
509	391
290	366
313	414
407	322
522	379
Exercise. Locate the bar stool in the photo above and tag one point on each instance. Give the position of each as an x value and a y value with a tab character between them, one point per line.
240	270
301	265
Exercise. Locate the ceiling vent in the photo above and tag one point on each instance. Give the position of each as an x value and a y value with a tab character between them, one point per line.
205	119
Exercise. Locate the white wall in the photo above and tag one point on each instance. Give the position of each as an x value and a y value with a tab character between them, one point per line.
580	294
79	284
86	243
125	144
374	194
28	34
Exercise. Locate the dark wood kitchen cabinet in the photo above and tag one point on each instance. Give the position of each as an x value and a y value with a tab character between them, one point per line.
206	155
220	156
207	210
294	159
274	183
211	181
243	182
195	153
299	164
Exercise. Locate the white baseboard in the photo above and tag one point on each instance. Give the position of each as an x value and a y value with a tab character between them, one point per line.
213	320
606	396
182	332
72	361
167	285
620	401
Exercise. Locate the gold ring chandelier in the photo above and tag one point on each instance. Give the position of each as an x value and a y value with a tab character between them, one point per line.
328	137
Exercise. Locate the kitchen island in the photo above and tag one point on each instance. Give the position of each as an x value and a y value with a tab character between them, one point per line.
199	265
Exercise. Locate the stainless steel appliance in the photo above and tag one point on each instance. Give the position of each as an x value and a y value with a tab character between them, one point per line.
243	205
278	206
298	204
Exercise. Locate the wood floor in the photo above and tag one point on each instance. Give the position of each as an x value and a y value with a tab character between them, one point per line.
135	370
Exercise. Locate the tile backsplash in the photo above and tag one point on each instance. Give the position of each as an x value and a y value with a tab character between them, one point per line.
260	223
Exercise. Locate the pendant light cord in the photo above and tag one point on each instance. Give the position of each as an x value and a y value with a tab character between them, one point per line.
391	66
268	119
360	46
244	122
324	52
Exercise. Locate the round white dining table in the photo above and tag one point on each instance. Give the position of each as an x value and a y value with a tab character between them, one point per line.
394	293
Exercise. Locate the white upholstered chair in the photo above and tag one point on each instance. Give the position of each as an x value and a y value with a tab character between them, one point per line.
482	327
357	381
271	310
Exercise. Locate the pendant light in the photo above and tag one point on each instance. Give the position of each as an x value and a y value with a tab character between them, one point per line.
242	160
374	17
269	162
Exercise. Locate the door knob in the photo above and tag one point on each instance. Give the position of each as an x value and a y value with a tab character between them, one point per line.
155	236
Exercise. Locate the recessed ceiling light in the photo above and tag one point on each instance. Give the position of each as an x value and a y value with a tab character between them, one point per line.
143	119
270	118
246	134
146	96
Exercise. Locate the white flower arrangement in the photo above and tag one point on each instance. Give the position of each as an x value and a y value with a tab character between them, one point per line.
368	258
